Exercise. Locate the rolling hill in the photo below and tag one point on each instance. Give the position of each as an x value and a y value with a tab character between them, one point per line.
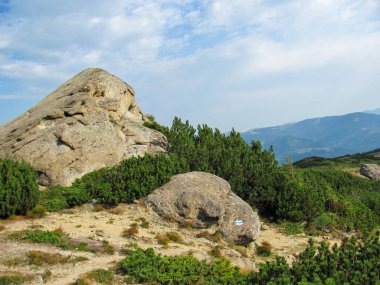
347	163
324	137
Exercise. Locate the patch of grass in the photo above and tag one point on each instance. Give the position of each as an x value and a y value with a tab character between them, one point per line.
169	218
290	228
216	252
107	248
82	246
186	224
144	223
82	281
118	210
164	239
40	258
99	208
215	237
174	237
12	217
78	259
240	249
13	262
57	238
46	275
102	276
14	278
2	228
132	231
265	249
37	212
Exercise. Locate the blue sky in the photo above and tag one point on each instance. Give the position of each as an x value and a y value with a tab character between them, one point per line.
241	63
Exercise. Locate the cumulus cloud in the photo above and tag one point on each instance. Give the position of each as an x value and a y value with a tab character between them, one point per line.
226	63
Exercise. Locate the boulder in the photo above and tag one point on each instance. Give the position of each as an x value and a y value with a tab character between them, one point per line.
203	200
371	171
90	121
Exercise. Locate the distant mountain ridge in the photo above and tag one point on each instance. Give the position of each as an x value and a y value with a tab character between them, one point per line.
375	111
328	137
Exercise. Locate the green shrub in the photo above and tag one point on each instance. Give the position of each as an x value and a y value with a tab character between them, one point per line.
147	266
18	188
56	238
355	262
76	196
156	126
324	221
53	198
101	276
130	180
290	228
38	211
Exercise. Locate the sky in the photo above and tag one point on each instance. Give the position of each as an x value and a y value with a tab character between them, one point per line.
237	64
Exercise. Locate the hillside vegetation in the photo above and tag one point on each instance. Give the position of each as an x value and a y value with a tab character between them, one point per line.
315	265
347	163
18	188
324	198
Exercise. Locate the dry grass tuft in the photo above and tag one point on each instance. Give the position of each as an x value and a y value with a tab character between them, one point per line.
132	231
108	248
169	218
215	237
265	249
240	249
216	252
40	258
118	210
164	239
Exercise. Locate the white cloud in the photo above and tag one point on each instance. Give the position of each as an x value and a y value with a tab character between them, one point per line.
218	61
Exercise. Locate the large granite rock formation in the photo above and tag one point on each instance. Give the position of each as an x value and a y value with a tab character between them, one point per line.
89	122
371	171
203	200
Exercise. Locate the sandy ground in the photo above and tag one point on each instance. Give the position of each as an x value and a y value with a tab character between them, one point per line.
93	227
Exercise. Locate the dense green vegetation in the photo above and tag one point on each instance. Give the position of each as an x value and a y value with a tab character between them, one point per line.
18	188
355	262
323	198
146	266
130	180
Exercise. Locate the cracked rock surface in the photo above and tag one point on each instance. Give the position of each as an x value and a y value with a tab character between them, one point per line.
203	200
90	121
371	171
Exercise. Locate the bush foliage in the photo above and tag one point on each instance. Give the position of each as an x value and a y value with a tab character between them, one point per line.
323	198
147	266
18	188
354	262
